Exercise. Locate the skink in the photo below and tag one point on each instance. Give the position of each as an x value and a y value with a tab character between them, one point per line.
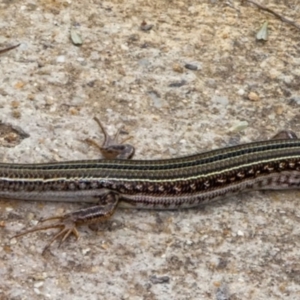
151	184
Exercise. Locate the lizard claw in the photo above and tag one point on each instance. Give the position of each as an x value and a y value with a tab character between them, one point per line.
67	227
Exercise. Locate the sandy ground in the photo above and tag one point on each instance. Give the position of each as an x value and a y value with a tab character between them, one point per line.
132	74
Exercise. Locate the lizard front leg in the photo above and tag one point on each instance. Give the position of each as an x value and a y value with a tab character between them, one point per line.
69	222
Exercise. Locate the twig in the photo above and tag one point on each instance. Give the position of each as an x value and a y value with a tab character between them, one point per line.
9	48
282	18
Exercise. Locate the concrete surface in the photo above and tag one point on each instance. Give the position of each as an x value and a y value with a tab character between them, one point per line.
132	74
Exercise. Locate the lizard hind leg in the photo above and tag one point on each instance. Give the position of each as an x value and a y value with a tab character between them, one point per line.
69	222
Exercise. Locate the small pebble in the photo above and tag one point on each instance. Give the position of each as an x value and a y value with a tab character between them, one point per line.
241	92
240	233
239	126
191	67
279	110
19	84
162	279
253	96
85	251
76	38
38	284
177	83
146	27
177	68
61	59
